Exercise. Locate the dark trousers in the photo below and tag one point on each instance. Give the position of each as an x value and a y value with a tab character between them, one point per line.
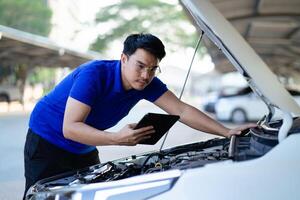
43	159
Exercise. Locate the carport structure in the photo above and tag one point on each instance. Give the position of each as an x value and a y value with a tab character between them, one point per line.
19	48
271	27
22	48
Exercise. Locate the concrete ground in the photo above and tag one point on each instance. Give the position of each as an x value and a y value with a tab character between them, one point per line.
13	127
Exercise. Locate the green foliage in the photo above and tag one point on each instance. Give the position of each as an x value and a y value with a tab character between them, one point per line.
43	75
27	15
167	21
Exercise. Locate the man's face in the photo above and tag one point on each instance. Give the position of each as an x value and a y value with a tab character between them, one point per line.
138	70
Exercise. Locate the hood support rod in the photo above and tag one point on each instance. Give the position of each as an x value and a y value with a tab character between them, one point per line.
185	81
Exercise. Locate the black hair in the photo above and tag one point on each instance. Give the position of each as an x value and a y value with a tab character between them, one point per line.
147	41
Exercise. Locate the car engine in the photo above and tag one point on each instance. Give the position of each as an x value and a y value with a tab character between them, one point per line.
253	143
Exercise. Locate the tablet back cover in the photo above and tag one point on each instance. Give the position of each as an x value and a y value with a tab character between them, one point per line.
161	123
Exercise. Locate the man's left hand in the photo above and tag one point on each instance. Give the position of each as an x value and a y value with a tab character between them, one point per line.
238	130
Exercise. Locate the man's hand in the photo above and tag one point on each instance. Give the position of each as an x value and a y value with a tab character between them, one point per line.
130	137
238	130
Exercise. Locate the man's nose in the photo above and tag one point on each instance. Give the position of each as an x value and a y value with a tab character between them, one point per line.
146	73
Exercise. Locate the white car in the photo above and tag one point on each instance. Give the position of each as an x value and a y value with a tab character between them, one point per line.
9	93
263	163
210	100
245	106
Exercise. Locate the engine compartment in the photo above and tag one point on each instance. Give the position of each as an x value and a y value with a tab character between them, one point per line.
252	144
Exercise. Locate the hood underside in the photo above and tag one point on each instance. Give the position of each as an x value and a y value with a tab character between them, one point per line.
258	75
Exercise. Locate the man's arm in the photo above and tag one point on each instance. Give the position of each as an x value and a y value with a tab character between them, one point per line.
194	118
74	128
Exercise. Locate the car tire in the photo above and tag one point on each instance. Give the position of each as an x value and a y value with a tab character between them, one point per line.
4	98
238	116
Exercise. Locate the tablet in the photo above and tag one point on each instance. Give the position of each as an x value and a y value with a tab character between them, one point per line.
161	123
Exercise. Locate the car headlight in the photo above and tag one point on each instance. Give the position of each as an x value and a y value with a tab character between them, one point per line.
139	187
137	191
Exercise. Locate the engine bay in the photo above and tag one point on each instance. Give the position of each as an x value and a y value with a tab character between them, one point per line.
252	144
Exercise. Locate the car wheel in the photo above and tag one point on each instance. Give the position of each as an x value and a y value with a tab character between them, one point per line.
238	116
4	97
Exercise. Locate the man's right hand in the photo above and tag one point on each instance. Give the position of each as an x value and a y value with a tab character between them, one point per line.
129	136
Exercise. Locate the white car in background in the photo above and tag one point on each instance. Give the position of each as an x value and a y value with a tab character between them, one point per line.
9	93
208	103
245	106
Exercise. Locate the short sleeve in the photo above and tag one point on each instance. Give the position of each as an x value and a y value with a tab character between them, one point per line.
85	87
154	90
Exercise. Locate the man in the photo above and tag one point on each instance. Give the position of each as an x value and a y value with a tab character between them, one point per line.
67	124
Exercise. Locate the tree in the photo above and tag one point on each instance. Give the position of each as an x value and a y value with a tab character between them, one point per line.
167	21
26	15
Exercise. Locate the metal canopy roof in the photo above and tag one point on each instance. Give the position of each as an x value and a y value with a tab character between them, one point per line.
18	47
271	27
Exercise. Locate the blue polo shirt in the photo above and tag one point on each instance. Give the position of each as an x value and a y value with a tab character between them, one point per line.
98	84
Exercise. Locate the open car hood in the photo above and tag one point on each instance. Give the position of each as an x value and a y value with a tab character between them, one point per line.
258	75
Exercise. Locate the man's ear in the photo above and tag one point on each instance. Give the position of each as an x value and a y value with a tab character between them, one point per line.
124	58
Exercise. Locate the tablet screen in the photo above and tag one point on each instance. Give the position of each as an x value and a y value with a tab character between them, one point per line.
161	123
